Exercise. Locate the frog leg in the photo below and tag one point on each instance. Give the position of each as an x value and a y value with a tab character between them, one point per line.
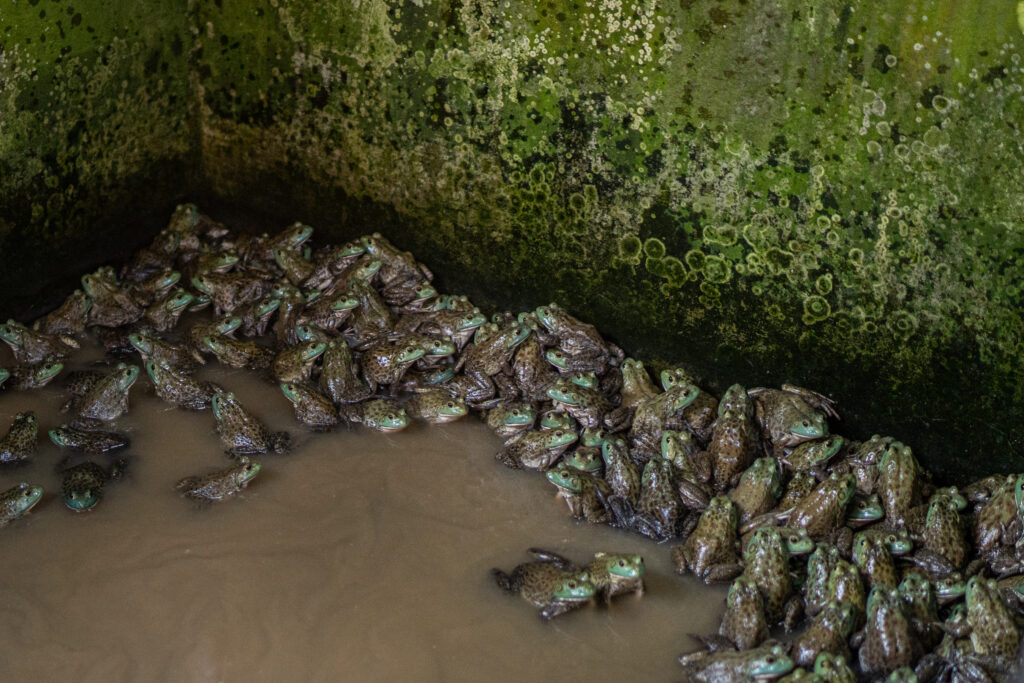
722	573
553	558
792	613
557	608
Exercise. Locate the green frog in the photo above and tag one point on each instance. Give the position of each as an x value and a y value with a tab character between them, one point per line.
889	640
544	585
813	455
386	362
221	484
823	511
17	501
766	560
897	541
791	415
864	510
833	668
820	564
620	471
798	486
381	414
511	418
19	444
68	319
758	664
459	326
436	407
827	632
874	561
943	533
209	328
759	488
921	607
396	265
178	388
846	584
491	356
584	494
164	314
1001	512
25	377
587	406
154	287
82	484
566	364
112	306
152	348
744	622
899	482
575	338
615	574
329	312
653	416
993	631
295	363
289	313
255	317
637	386
409	295
585	459
556	419
710	551
312	408
329	261
88	441
536	450
106	396
658	508
734	441
294	265
241	432
229	291
32	347
339	375
238	354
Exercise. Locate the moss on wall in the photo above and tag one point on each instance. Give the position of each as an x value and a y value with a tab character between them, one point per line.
95	138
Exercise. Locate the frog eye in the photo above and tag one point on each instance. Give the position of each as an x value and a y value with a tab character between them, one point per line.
805	423
622	563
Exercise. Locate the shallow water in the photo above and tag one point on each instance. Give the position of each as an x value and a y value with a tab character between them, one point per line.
358	556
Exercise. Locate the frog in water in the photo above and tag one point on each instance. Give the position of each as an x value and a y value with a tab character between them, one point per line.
710	551
511	418
82	484
178	388
295	363
312	408
20	442
436	407
339	376
220	484
238	354
612	574
828	632
744	623
382	415
544	585
386	362
791	415
18	500
585	494
536	450
152	348
823	511
106	396
88	441
24	377
30	347
758	664
69	319
889	641
241	432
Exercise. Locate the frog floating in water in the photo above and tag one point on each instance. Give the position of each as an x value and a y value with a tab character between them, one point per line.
32	347
710	551
220	484
758	664
88	441
241	432
585	494
436	407
178	388
103	397
612	574
17	501
312	408
544	585
382	415
23	377
82	484
19	444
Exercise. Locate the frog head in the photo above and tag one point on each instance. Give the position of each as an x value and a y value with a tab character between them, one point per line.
832	667
59	436
586	460
950	588
436	348
623	566
565	478
245	471
557	358
311	333
470	320
564	391
587	380
228	325
555	419
178	300
385	416
126	375
550	316
81	500
675	377
12	332
23	499
163	281
797	541
767	663
265	306
44	372
594	436
310	350
575	588
556	438
366	269
519	415
865	509
344	303
221	402
294	235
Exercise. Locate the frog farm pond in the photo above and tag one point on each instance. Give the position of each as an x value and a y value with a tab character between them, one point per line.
243	457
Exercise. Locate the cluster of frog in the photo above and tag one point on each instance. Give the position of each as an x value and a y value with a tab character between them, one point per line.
850	537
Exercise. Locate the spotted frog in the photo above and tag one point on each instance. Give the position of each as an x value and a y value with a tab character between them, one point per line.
710	551
241	432
221	484
17	501
19	444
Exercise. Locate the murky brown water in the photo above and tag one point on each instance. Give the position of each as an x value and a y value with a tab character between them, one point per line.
358	556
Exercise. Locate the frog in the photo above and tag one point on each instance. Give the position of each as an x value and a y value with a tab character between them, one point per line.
329	313
295	363
258	250
921	607
691	467
25	377
637	386
289	313
536	450
426	379
615	574
758	490
241	432
555	418
229	291
436	407
67	320
874	561
164	314
544	585
386	362
111	306
658	508
238	354
411	295
813	455
312	408
436	350
799	486
88	441
889	642
372	319
209	261
621	472
820	564
585	459
575	338
19	444
339	375
734	441
652	417
30	347
993	631
588	406
897	541
221	484
585	494
699	414
153	288
565	364
396	265
178	388
791	415
862	458
710	550
458	326
899	482
761	663
4	375
224	326
152	348
255	317
845	583
864	510
531	373
744	623
766	563
295	266
827	632
16	501
823	511
510	418
381	414
106	397
489	357
82	484
833	668
998	521
329	261
943	533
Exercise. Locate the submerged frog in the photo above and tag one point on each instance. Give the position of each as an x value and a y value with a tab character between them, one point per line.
758	664
585	494
24	377
710	551
241	432
106	396
791	415
436	407
178	388
382	415
536	450
20	442
544	585
312	408
220	484
82	485
29	346
18	500
744	622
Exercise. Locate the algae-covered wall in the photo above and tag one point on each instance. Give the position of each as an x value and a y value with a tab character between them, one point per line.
95	142
822	192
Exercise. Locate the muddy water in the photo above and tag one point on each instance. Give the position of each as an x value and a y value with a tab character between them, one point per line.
358	556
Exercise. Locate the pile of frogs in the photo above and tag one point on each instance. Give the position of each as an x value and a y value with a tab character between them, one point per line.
848	543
